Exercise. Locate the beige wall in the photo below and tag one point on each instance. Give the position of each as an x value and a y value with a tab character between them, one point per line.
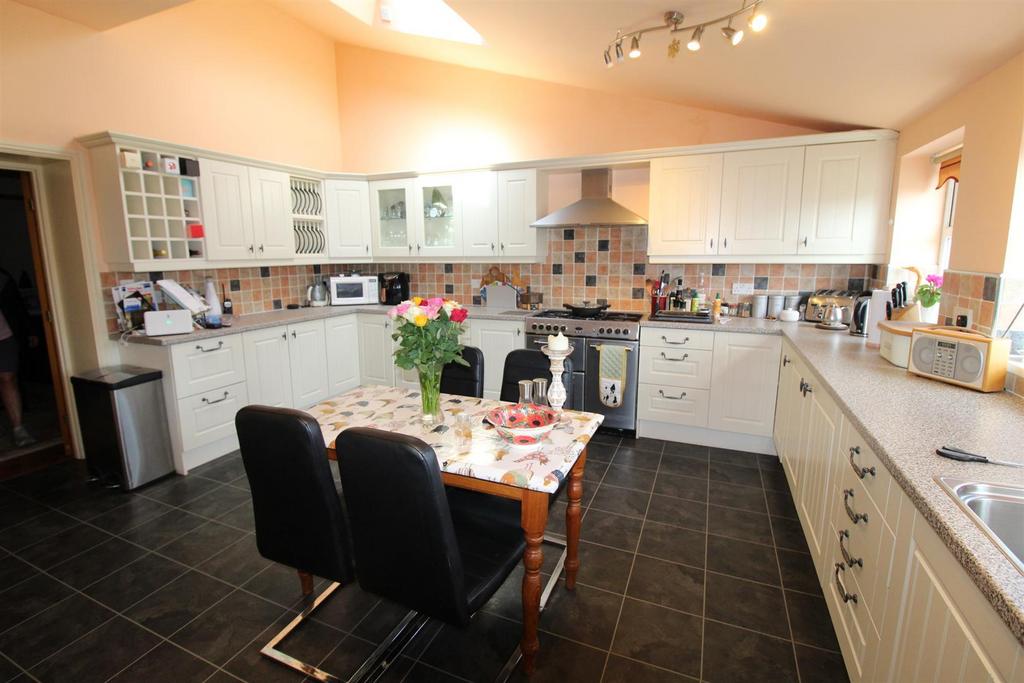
255	82
991	112
400	112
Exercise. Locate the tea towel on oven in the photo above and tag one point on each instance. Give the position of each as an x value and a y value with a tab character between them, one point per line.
612	373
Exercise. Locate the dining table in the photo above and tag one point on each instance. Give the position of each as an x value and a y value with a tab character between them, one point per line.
482	460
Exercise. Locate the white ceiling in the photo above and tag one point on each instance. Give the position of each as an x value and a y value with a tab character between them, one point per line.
827	63
102	14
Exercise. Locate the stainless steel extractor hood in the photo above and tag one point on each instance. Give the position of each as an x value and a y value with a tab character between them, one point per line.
596	208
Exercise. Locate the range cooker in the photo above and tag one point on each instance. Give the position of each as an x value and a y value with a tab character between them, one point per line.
608	328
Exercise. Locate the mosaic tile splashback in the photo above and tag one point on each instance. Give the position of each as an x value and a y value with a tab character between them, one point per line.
592	264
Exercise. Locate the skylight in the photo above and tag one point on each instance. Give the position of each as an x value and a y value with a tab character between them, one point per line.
429	18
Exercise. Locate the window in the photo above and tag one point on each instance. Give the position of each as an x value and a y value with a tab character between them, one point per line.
948	213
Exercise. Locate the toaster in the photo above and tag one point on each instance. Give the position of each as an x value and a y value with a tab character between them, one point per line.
819	301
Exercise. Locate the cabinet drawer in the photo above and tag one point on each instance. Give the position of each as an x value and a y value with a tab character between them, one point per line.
676	367
210	416
671	338
857	637
207	364
866	469
667	403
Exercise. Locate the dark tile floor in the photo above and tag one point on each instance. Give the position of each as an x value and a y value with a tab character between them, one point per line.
692	567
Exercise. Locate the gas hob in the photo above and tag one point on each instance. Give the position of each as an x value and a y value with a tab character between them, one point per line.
607	325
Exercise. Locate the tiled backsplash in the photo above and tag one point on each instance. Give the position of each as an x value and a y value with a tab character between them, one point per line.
974	292
584	264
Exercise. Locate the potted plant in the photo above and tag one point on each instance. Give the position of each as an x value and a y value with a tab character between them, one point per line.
928	294
427	332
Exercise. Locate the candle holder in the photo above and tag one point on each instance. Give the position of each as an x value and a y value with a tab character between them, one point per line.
556	392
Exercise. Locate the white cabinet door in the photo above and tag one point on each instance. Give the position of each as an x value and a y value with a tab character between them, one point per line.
440	218
376	362
685	198
307	349
342	335
268	367
272	234
761	201
817	491
496	338
787	410
480	214
517	209
227	210
394	217
744	381
348	218
845	202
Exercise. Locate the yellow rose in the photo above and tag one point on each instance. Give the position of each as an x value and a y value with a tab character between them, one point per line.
421	320
417	300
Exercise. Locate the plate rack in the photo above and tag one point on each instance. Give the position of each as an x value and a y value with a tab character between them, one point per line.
161	208
308	216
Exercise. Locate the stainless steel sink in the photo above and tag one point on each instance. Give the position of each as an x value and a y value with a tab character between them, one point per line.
997	509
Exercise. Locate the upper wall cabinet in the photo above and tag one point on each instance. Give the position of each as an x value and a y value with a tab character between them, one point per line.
247	210
392	217
686	194
761	201
439	221
517	209
348	219
845	198
480	214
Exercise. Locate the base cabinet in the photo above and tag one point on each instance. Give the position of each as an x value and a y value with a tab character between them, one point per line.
496	338
268	367
342	339
307	351
744	383
376	361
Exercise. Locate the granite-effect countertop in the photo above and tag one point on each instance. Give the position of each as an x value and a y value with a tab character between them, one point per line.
256	321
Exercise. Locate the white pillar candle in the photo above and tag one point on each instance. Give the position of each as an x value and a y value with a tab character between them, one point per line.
559	343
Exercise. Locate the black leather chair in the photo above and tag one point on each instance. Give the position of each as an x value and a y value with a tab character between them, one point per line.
529	364
465	380
410	546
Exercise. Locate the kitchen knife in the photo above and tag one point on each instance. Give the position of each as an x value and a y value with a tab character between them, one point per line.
895	297
954	453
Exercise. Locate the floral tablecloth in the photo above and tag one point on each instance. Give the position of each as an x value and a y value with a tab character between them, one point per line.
485	456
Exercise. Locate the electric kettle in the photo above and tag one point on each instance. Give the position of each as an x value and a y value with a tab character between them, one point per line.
317	294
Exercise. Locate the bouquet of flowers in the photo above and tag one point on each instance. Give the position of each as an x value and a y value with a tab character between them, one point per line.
427	332
930	291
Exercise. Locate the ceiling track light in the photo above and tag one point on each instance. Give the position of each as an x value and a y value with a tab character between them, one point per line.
674	22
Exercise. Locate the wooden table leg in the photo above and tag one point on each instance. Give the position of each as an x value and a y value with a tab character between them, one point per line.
572	521
534	518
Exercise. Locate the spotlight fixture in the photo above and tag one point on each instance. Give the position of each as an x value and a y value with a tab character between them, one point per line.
634	47
694	43
757	21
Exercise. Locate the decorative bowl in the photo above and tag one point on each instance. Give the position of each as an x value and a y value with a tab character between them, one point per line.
523	424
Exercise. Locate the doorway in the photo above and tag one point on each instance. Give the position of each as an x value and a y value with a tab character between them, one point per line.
34	429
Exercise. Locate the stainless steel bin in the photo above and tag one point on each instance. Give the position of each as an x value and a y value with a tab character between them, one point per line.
124	424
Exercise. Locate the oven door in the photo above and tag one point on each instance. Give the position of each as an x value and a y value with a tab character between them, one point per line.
578	358
624	415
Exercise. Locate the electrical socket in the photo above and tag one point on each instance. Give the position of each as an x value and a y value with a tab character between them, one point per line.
743	288
963	312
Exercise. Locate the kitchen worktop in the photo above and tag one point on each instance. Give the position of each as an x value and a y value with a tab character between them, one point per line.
256	321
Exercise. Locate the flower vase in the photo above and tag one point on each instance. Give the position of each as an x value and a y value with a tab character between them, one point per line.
430	396
930	314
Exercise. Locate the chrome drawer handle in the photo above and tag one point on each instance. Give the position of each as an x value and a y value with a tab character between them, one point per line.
786	361
680	397
668	341
675	360
219	346
847	557
847	597
219	400
859	471
855	517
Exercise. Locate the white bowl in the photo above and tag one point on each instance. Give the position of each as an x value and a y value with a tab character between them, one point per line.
788	315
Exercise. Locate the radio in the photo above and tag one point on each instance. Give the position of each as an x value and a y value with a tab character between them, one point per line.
960	357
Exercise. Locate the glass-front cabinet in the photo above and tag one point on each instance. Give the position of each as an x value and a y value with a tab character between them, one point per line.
440	207
393	217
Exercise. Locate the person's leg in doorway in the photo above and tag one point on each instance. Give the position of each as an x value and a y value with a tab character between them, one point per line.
10	395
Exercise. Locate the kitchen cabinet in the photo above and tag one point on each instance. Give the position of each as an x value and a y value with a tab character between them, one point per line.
208	419
247	211
438	225
517	209
817	492
480	234
685	200
496	339
376	348
744	383
207	364
268	367
307	356
393	210
761	201
342	341
348	219
788	412
845	199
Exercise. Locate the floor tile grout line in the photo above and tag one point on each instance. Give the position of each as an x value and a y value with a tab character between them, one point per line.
629	576
17	666
704	596
785	602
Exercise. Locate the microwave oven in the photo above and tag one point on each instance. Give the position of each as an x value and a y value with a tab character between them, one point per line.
346	290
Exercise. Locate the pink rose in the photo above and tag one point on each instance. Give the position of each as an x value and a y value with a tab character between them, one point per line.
435	302
458	315
401	308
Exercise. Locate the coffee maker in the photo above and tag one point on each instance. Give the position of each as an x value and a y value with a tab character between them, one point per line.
394	288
